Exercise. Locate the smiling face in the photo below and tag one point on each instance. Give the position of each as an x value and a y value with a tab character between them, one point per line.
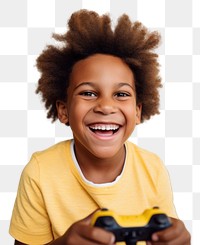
101	106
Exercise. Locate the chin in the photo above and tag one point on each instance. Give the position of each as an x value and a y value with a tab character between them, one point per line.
105	153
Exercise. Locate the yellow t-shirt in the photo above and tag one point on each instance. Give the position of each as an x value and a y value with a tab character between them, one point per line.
53	192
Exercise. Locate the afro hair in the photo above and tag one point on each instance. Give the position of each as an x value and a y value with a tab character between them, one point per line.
88	34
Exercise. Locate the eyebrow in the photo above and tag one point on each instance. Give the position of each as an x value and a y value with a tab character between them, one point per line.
84	83
125	84
119	85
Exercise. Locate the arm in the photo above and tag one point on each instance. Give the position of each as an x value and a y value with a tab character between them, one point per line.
83	237
82	233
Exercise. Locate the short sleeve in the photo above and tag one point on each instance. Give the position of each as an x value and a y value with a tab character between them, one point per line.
30	222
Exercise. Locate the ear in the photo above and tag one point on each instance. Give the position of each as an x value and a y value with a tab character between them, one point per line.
62	112
138	113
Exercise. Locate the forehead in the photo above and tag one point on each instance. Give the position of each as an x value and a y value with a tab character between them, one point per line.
101	65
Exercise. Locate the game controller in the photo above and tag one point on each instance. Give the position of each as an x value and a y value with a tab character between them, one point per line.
131	229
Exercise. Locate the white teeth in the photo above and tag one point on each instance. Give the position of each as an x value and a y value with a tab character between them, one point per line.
104	127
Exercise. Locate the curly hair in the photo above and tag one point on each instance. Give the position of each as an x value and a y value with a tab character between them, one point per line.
89	34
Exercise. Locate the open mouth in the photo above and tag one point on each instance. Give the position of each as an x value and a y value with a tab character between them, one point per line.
104	129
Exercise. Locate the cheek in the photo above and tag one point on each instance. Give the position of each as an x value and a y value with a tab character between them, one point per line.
131	116
77	109
130	110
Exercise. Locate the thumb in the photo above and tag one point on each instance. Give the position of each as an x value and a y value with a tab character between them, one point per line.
87	220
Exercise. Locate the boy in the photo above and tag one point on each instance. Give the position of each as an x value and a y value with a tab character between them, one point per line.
101	83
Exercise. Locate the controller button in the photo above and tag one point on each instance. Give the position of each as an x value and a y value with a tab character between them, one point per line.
125	234
107	221
133	234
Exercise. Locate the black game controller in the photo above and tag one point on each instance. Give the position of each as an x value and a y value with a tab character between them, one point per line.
131	229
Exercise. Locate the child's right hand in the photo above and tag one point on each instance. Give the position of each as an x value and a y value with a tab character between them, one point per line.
83	233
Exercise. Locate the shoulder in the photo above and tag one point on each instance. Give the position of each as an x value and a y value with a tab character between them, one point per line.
56	150
138	151
54	154
48	160
143	158
147	163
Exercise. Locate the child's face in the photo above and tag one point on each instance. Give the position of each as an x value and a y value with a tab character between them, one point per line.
101	105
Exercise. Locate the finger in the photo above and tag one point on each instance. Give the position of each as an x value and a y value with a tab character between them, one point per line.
87	220
81	241
97	234
81	233
165	235
176	234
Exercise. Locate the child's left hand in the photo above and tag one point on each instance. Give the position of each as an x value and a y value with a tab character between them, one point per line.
177	234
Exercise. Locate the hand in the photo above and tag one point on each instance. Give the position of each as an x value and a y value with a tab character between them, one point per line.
177	234
83	233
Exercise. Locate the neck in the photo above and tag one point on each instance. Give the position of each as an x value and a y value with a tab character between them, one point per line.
100	170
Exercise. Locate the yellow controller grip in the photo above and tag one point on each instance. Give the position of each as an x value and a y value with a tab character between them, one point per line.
128	220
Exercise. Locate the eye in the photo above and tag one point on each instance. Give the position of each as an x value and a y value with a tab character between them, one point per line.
122	94
88	94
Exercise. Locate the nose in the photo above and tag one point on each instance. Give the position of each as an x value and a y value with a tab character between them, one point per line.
105	106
